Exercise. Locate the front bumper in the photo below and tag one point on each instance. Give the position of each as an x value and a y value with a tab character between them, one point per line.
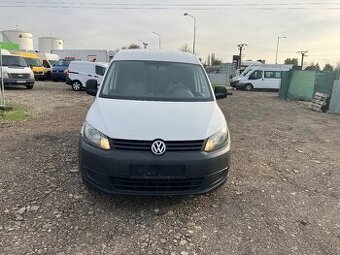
142	173
18	82
236	84
58	76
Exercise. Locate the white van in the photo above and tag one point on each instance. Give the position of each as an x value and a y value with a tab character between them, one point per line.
15	71
155	127
262	77
48	60
79	72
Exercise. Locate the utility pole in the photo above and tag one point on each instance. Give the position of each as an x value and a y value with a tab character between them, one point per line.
303	55
277	47
2	86
241	47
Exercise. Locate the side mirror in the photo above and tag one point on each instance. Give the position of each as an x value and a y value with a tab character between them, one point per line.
221	92
91	87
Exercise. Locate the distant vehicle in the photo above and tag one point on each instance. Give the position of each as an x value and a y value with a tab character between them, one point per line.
87	55
15	71
59	70
155	127
245	65
79	72
261	77
33	61
49	60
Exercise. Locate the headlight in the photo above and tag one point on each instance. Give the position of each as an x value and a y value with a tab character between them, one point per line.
218	140
5	74
94	137
32	75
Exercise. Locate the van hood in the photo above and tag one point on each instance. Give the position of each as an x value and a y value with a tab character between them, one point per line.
150	120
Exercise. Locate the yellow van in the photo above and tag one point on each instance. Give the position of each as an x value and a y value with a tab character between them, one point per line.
33	61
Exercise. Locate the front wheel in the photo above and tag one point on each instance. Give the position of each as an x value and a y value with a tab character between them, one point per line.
29	86
76	85
248	87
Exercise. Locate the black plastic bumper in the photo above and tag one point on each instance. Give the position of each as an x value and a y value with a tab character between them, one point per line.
143	173
18	82
56	76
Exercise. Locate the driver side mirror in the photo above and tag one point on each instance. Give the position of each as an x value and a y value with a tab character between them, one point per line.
221	92
91	87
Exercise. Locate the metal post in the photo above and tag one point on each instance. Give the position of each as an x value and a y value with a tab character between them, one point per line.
194	40
2	88
159	40
277	47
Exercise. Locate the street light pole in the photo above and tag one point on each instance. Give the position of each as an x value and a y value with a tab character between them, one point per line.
277	47
194	40
2	87
159	39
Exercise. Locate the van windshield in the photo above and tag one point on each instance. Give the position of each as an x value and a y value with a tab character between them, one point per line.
33	62
63	62
156	81
8	60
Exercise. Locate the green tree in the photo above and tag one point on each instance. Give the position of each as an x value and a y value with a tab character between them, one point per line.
313	67
185	48
134	46
328	68
291	61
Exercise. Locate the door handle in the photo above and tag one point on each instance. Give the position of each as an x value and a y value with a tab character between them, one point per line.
95	76
89	75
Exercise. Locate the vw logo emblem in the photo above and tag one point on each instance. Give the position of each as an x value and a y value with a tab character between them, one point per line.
158	147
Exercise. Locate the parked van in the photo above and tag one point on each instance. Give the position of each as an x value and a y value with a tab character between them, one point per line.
48	60
262	77
15	71
155	127
33	61
79	72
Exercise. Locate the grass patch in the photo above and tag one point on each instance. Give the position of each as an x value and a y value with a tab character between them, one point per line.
17	114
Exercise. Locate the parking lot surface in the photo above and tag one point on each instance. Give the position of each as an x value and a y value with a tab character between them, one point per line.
282	197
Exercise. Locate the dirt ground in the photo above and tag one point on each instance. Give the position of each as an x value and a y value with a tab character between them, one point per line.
282	197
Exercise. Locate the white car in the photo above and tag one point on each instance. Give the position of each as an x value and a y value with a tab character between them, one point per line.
79	72
155	127
15	71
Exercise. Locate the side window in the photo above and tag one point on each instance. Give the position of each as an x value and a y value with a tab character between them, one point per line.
256	75
269	74
100	70
277	75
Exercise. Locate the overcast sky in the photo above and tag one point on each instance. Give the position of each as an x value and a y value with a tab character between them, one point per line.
311	27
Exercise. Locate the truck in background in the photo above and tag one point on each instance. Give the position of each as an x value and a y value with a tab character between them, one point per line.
87	55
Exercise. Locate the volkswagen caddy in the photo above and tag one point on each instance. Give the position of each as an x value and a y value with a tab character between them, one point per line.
154	127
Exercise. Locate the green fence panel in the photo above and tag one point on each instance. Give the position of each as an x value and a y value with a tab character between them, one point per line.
324	82
285	83
302	85
9	46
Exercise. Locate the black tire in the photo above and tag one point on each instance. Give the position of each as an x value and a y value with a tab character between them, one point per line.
29	86
76	85
248	87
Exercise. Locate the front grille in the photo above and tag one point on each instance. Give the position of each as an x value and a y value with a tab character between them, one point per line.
157	185
18	76
138	145
38	73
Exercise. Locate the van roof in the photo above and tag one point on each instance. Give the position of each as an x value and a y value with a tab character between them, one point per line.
156	55
89	63
26	54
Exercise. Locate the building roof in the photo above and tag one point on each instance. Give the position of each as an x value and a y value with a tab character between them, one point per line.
156	55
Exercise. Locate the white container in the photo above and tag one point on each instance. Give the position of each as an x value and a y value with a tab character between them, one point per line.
47	44
22	38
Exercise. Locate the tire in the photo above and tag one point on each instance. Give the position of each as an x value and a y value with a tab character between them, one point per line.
248	87
29	86
76	85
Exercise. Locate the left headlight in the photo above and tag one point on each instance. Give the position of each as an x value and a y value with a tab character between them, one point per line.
94	137
218	140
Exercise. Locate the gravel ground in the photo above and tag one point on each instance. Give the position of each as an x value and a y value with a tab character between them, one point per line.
283	195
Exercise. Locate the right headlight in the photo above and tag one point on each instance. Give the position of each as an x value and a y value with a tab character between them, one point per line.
94	137
218	140
5	74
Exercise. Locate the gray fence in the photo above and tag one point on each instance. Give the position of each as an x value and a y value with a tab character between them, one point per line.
334	105
222	77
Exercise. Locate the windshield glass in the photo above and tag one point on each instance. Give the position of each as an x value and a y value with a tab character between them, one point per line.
33	62
8	60
156	81
53	62
63	62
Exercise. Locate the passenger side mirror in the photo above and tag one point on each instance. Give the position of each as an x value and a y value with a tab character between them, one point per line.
221	92
91	87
